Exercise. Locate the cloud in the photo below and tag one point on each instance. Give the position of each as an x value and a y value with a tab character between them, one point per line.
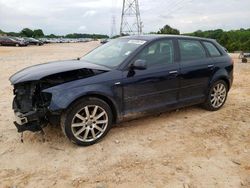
82	28
89	13
94	16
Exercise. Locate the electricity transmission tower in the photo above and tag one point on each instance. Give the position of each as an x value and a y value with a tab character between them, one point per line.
113	27
130	21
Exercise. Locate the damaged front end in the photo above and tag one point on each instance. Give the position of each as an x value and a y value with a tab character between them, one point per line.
31	101
30	106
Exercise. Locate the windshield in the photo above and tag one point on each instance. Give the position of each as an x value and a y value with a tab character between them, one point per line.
113	53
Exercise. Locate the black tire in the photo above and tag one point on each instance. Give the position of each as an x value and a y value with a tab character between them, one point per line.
69	116
208	105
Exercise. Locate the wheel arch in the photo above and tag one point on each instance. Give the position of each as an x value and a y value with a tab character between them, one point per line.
227	82
221	74
224	78
106	99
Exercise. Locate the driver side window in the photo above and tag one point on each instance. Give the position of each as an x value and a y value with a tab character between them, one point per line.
158	53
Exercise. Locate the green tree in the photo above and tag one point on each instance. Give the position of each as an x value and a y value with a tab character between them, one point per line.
83	35
26	32
199	33
246	45
233	40
168	30
38	33
51	36
14	34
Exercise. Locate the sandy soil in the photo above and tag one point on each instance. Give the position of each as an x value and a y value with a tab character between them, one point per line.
186	148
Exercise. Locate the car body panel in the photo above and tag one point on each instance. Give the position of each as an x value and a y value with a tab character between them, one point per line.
150	89
194	78
104	85
37	72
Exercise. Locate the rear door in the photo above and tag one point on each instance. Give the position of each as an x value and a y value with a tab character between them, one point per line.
196	69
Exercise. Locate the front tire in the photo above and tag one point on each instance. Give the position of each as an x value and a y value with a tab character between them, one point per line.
87	121
217	96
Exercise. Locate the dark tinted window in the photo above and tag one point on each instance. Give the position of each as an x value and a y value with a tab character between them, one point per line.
191	50
160	52
213	51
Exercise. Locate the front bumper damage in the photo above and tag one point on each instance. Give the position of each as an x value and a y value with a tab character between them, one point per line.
30	107
28	121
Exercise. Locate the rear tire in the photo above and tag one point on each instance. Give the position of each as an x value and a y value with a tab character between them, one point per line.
87	121
217	96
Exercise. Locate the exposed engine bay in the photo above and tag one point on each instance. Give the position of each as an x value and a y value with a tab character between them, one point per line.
31	103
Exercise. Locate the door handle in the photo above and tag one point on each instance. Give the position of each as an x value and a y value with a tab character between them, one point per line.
173	72
210	66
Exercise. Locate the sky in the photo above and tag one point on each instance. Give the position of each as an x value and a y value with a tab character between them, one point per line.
95	16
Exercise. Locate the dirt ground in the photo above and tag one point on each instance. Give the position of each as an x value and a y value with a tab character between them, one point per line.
186	148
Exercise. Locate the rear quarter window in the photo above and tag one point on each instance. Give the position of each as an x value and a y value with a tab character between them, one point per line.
191	50
213	51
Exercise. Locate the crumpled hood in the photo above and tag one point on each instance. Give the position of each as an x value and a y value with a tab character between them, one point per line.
37	72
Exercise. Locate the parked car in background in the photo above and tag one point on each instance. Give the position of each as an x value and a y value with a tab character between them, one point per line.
243	56
103	41
246	54
33	41
123	79
45	40
12	41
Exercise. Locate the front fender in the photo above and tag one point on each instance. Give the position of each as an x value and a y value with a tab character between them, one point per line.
62	98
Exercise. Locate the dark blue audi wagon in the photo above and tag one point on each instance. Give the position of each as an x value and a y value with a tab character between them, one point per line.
123	79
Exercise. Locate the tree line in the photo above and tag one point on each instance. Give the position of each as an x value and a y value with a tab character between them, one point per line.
233	40
38	33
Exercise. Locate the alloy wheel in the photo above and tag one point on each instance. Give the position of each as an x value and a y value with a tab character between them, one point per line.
89	123
218	95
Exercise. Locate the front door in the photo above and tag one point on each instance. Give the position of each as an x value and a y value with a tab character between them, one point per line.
156	86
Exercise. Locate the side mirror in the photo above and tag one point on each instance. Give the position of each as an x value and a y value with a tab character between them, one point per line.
139	64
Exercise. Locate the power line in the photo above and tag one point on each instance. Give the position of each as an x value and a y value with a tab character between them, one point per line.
176	6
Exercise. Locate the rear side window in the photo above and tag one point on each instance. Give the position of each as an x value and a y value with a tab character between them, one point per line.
213	51
191	50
